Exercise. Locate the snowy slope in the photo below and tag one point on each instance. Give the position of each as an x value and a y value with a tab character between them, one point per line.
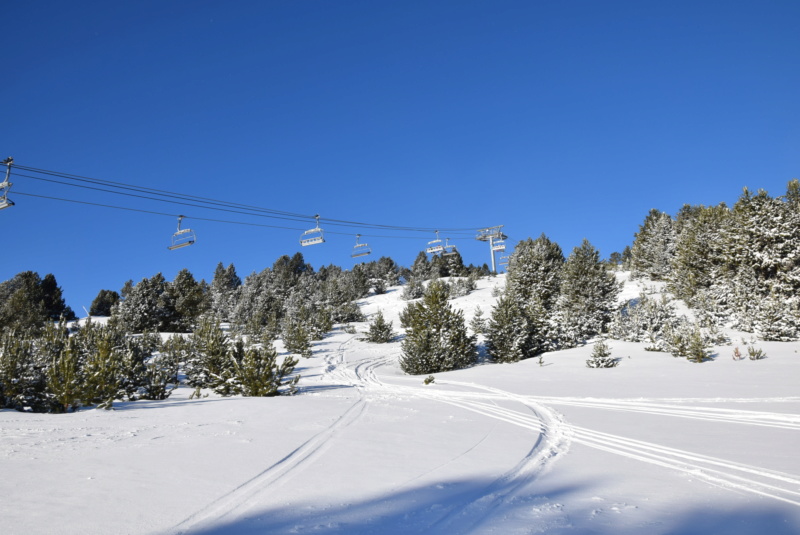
656	445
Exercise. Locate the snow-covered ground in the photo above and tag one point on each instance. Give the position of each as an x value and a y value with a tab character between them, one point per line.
655	445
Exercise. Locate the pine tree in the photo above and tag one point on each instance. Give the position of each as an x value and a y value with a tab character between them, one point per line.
380	331
534	272
478	323
436	335
29	302
211	363
261	375
104	303
601	356
63	378
296	338
510	336
223	291
148	306
654	246
588	294
189	300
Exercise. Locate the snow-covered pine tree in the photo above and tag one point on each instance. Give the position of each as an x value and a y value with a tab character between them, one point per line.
189	300
478	323
654	246
436	335
64	382
380	331
210	363
534	271
260	374
587	297
147	307
223	291
413	289
510	335
601	356
296	338
699	258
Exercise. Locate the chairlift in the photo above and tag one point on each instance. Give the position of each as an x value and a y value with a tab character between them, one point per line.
5	202
312	236
504	260
360	249
449	250
182	238
435	246
499	246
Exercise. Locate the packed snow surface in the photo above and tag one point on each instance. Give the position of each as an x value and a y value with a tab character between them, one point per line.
655	445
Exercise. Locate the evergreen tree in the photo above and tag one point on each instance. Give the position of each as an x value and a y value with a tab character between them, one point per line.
601	356
296	338
436	335
63	378
28	301
478	323
421	268
511	335
534	271
148	306
588	294
261	375
654	246
223	291
211	363
380	331
104	303
188	298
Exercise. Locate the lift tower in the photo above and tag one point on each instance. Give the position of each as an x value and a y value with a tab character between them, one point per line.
495	237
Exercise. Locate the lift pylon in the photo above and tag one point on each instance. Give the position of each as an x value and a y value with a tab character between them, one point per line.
493	235
5	185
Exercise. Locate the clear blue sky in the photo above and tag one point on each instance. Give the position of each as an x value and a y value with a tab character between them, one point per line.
570	118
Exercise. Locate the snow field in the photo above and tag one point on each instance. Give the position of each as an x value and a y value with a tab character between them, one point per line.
656	445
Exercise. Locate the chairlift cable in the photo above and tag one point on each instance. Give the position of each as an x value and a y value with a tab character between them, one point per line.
152	212
279	214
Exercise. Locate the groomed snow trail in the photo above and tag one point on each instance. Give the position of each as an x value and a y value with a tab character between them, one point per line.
468	512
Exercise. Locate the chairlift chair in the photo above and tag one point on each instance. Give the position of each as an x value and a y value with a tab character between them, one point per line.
183	237
499	246
360	249
312	236
435	246
449	250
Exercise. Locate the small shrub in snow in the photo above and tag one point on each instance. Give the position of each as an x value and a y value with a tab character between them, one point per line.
350	329
380	331
737	355
429	380
686	340
601	356
755	353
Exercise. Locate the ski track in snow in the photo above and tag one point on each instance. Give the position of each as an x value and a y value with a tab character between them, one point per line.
552	437
726	474
248	494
